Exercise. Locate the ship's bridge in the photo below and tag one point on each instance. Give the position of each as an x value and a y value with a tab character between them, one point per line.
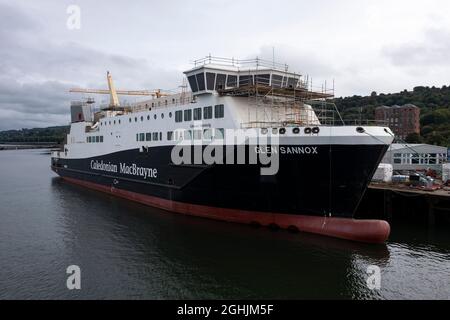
213	74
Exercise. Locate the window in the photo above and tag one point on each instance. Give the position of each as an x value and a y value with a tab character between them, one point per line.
276	81
119	121
218	111
129	120
97	139
219	134
207	134
141	136
148	136
262	79
170	114
188	135
148	117
162	115
155	136
245	80
142	118
292	82
200	81
188	115
193	83
220	81
210	78
154	116
197	134
160	136
114	121
137	136
135	119
178	116
198	114
207	112
101	138
169	135
231	81
87	139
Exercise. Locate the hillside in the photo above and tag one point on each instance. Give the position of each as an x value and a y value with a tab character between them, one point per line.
434	104
36	135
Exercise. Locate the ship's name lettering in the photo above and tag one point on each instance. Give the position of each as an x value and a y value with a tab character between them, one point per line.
138	171
124	168
286	150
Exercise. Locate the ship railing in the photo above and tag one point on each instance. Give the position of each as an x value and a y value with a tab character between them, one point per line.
240	63
306	123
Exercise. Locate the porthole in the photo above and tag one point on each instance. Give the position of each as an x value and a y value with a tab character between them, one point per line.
114	121
148	117
129	119
170	114
154	117
135	119
308	130
315	130
282	131
162	115
274	131
296	130
142	118
361	130
264	131
119	121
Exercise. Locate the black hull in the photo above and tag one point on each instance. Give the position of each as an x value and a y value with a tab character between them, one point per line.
330	182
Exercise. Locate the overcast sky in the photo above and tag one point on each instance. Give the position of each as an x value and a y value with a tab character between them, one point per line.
365	45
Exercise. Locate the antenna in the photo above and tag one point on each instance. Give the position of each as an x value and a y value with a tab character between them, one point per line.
273	56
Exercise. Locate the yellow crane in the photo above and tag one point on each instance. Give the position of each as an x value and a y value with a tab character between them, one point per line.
114	100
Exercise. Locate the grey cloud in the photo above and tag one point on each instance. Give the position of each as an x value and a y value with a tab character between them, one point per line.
433	50
35	79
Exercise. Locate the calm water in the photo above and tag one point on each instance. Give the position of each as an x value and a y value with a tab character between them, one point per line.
130	251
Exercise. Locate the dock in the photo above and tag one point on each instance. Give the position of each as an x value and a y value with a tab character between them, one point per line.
398	202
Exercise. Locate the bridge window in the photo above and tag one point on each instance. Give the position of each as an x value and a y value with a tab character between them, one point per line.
220	81
292	82
277	81
200	81
245	80
262	79
218	111
193	83
231	81
210	78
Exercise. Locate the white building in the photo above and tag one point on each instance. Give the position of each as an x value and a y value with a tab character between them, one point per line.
416	157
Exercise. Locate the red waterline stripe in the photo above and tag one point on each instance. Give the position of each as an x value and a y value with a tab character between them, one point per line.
370	231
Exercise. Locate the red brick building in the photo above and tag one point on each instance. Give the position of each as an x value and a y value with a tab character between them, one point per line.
403	120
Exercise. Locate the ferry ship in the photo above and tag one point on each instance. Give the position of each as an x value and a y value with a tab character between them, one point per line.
250	142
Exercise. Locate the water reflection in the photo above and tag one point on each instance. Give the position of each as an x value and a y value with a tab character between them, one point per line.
126	250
